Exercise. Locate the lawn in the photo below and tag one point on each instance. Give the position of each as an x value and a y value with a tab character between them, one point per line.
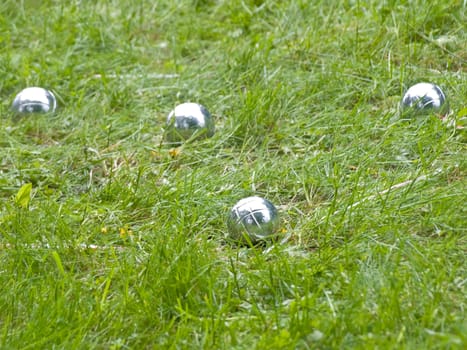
112	239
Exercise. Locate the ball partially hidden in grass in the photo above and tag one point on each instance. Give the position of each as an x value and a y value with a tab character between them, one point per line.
252	219
425	98
34	100
189	120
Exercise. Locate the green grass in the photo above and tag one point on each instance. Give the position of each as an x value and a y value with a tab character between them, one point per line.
305	96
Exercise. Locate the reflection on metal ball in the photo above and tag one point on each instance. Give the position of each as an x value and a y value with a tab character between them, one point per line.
189	120
252	219
425	98
34	100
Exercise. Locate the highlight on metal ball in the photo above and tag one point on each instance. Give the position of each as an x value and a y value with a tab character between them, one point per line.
189	121
252	220
424	98
34	100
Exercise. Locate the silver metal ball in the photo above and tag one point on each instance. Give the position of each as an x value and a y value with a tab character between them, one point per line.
252	219
34	100
189	120
425	98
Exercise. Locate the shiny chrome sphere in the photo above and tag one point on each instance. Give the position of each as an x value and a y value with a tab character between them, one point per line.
252	219
425	98
34	100
189	120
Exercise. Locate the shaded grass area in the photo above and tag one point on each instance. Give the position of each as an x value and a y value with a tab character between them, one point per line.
305	98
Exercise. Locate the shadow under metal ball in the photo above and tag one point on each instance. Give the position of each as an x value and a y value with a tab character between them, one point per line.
34	100
189	120
252	219
425	98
